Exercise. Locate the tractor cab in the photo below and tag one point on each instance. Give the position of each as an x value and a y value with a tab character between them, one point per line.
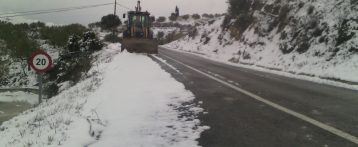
138	25
138	37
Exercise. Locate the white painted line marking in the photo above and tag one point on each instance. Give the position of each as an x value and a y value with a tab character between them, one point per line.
163	61
310	120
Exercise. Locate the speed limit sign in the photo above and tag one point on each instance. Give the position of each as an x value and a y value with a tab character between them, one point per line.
40	61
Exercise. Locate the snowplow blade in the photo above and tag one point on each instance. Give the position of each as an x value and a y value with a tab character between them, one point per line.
138	45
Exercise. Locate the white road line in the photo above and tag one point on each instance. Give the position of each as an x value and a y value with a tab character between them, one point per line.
310	120
163	61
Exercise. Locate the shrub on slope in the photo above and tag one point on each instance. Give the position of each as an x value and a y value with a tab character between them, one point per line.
74	61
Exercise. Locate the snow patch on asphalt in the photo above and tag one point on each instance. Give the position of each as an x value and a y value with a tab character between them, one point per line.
127	100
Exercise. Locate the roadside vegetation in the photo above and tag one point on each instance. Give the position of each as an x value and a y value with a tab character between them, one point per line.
164	38
74	62
107	23
310	38
113	38
74	43
3	70
16	40
298	33
59	35
111	24
19	40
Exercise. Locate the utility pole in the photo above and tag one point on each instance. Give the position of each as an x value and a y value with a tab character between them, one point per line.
115	7
115	13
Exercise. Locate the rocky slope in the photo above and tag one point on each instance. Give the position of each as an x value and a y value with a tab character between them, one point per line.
316	38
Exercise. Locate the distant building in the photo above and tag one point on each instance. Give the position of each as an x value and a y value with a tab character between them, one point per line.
177	11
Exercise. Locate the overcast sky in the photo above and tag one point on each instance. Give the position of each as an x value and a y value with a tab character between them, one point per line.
156	7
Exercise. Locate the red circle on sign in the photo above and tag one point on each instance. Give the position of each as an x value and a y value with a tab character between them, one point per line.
40	52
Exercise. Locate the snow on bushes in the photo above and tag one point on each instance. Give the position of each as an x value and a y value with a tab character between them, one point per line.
316	38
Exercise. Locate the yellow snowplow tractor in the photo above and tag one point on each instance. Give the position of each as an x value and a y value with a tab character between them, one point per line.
138	37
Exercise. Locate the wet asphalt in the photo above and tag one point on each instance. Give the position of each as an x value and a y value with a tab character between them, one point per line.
9	110
236	120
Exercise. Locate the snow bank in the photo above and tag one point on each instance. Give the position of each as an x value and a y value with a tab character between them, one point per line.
19	97
318	63
141	105
127	100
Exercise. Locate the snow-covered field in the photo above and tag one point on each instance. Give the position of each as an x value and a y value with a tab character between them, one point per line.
20	19
127	100
19	97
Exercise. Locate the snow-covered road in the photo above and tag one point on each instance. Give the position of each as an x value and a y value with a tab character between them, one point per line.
136	104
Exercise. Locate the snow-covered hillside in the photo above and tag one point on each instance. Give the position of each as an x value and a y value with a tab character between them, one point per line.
317	39
127	100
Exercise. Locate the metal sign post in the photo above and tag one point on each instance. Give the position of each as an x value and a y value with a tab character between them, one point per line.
41	62
40	78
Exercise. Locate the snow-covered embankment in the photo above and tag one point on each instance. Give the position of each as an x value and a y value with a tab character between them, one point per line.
127	100
322	62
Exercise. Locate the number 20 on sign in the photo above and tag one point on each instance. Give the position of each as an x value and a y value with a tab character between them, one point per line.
40	61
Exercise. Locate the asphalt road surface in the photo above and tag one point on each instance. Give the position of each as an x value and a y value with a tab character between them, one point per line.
9	110
248	108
